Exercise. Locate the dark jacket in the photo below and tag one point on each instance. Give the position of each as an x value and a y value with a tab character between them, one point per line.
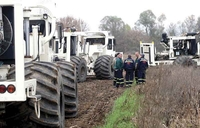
142	64
129	64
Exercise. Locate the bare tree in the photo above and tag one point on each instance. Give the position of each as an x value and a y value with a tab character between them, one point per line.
190	23
181	28
172	29
198	24
159	28
70	21
161	19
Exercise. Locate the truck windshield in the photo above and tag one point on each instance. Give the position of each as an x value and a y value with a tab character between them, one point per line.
94	41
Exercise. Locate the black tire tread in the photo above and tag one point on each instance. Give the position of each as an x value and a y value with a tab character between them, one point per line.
68	72
79	62
48	87
48	73
185	61
102	67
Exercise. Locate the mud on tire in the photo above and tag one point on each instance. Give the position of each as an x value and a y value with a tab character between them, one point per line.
68	73
103	67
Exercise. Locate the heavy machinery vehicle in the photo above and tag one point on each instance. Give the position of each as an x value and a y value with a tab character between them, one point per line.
91	51
72	42
179	50
100	48
35	90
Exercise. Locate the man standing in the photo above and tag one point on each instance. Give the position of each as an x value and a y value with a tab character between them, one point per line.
136	62
119	70
129	67
142	67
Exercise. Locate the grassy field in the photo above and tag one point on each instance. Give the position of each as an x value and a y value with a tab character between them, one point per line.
125	108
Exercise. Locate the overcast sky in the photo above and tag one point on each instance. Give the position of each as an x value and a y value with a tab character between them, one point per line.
92	11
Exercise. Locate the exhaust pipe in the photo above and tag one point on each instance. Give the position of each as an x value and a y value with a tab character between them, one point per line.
27	30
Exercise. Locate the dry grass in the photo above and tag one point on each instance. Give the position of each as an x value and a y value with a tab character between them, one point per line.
171	98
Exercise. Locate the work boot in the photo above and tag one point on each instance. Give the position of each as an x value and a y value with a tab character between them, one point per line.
114	83
117	86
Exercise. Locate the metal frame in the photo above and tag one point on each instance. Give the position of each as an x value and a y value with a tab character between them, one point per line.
19	94
150	55
24	88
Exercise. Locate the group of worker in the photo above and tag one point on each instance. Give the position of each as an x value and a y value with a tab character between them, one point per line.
132	67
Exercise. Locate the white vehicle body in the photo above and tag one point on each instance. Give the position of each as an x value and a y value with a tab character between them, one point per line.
175	47
149	50
87	45
19	83
98	44
29	40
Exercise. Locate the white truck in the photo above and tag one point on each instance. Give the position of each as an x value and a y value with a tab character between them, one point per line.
91	51
35	90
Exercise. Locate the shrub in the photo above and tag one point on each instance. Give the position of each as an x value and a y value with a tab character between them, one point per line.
171	98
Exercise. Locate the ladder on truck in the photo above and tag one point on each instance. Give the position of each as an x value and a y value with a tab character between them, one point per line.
149	50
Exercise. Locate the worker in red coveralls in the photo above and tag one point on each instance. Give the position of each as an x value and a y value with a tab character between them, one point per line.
129	67
141	68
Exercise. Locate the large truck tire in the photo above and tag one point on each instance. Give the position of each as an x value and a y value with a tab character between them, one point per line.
103	67
49	86
185	61
81	68
17	112
68	72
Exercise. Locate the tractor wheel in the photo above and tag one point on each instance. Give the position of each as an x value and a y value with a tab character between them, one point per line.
68	72
49	86
81	69
185	61
103	67
17	112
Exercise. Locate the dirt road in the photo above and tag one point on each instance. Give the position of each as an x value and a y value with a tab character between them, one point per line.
96	98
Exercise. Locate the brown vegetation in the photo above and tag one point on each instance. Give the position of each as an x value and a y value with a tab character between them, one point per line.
171	98
70	21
